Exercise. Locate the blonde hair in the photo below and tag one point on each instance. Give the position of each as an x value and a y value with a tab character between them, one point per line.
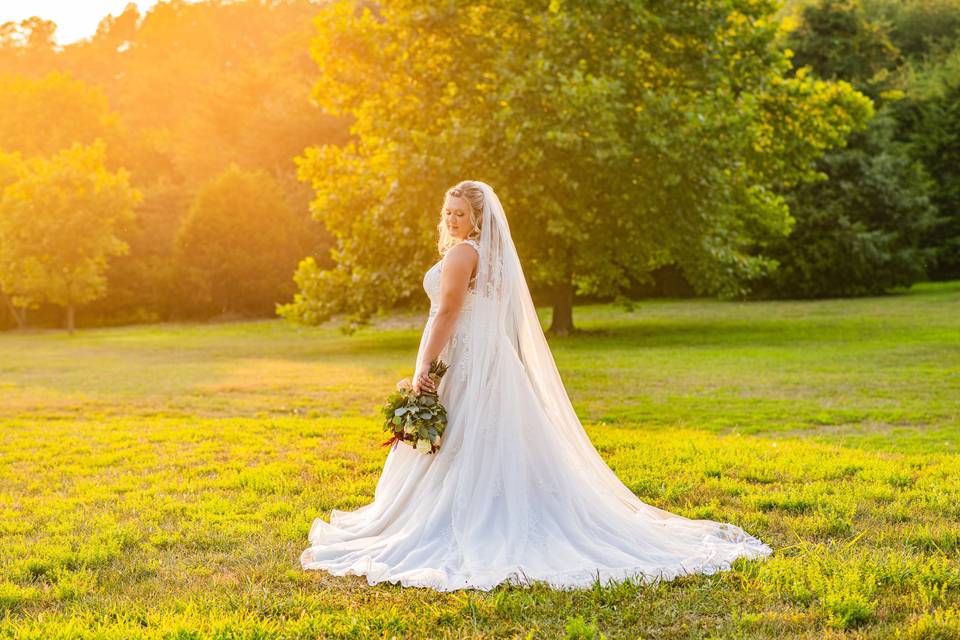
473	194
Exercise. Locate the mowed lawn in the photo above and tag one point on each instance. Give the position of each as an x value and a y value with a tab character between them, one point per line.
159	481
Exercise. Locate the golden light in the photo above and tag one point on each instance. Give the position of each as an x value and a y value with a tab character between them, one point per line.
76	20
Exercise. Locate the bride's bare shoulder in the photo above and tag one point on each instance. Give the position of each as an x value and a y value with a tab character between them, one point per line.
465	251
461	258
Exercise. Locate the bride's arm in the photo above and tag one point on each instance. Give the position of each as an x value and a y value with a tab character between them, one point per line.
454	279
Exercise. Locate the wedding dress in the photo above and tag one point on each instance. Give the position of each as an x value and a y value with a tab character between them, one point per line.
516	493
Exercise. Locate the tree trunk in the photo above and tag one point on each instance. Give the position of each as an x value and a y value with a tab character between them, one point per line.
20	316
562	322
70	318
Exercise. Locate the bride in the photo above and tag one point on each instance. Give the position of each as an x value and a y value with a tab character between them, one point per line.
516	493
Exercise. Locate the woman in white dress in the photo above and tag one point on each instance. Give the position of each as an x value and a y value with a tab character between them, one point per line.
516	493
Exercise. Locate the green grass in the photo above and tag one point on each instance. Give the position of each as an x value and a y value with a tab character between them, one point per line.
159	481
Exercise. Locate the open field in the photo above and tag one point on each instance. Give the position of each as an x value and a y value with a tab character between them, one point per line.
159	481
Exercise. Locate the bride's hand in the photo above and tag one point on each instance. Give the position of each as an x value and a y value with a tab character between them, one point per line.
422	382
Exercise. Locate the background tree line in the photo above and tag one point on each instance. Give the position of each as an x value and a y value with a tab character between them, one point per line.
887	212
731	148
201	107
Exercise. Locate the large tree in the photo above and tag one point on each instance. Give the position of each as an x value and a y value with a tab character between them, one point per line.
860	230
58	226
238	244
621	136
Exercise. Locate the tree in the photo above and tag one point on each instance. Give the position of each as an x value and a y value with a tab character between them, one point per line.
28	47
621	137
191	87
917	27
234	80
32	113
930	124
17	302
58	225
239	243
839	41
861	229
144	282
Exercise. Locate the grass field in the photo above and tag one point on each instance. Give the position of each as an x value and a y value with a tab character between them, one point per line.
159	481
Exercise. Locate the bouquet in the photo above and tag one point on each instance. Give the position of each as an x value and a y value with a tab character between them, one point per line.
418	419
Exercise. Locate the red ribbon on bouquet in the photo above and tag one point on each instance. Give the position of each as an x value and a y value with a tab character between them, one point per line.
392	440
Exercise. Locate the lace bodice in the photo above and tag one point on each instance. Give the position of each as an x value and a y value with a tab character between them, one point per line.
431	284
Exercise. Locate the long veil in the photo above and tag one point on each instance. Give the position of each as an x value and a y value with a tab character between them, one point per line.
504	323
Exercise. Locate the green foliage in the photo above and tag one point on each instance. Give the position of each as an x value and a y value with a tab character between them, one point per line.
32	113
144	282
930	123
59	224
418	419
578	629
869	226
942	624
839	40
861	230
918	27
656	133
238	244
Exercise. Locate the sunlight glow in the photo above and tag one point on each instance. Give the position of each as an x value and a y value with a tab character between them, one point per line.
75	20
